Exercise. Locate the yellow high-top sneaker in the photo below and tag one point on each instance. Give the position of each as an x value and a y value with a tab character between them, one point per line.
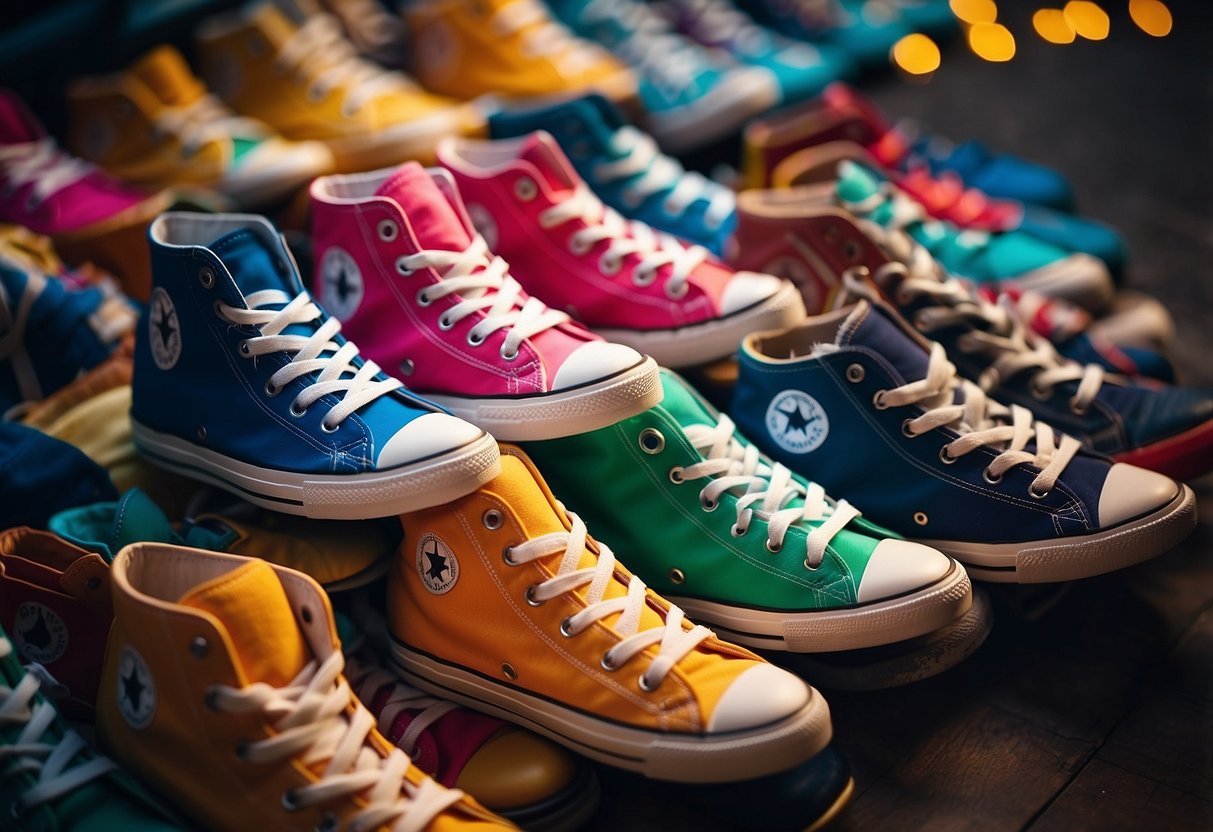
223	689
156	125
501	601
293	68
511	48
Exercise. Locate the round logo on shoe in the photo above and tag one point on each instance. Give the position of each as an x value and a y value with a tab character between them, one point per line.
436	564
39	633
164	330
136	689
483	222
341	293
796	422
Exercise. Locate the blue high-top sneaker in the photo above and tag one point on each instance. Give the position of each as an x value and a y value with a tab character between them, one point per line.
627	171
691	96
858	402
242	381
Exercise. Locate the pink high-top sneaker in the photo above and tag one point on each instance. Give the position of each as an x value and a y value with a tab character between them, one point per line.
399	263
622	279
89	214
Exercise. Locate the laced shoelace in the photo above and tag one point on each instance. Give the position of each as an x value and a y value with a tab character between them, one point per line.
543	37
652	172
311	724
626	239
667	59
674	641
716	22
483	283
765	489
206	120
368	23
315	353
370	680
54	766
319	53
40	164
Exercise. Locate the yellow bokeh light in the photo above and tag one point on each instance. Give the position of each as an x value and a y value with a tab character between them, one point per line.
1087	19
1051	25
916	54
992	42
1151	16
975	11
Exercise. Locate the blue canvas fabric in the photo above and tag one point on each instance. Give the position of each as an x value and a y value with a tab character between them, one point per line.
1000	175
41	475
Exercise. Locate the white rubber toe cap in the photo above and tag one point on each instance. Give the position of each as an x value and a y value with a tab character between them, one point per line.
593	361
759	696
747	289
899	566
1130	492
425	436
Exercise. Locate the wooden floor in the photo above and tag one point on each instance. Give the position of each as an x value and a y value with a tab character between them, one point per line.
1091	705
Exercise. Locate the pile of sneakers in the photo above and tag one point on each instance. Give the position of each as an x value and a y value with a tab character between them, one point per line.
396	513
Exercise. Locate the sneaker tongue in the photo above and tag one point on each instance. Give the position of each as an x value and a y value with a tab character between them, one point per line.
872	327
433	218
165	72
17	123
252	606
683	403
252	262
105	528
549	161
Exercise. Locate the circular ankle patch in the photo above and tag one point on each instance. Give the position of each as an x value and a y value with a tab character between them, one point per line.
164	330
796	422
136	690
437	565
341	293
39	633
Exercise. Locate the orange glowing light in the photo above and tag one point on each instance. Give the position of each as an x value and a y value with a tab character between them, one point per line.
1151	16
1087	19
916	54
992	42
974	11
1051	25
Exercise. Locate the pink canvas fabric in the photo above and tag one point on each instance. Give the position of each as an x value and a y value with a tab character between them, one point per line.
47	190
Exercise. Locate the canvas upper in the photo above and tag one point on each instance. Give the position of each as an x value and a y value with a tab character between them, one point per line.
864	31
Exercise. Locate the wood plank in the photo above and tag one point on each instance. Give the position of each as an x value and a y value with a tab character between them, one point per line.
1108	798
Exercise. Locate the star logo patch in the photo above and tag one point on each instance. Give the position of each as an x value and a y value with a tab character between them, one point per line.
342	289
39	633
436	564
136	689
796	422
164	330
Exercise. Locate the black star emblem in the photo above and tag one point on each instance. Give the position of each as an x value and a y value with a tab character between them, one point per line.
343	285
133	688
164	324
38	635
437	564
796	420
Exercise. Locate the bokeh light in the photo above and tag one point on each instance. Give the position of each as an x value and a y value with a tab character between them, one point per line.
992	42
916	54
1087	19
1151	16
975	11
1051	25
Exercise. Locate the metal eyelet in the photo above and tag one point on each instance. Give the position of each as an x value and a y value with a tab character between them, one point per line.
644	686
475	340
578	246
676	294
507	356
878	401
492	519
324	427
245	349
407	367
306	614
272	389
606	664
564	628
507	555
201	433
906	430
772	548
387	230
423	299
206	276
242	750
529	595
296	412
920	518
651	441
1035	495
945	457
526	189
990	478
738	531
810	566
709	505
609	266
855	373
643	280
676	475
328	823
508	670
198	647
852	251
445	323
1075	409
401	269
290	800
211	699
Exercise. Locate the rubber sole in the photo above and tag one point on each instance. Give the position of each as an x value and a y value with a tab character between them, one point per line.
562	413
1184	456
870	625
720	111
1078	556
424	483
835	809
686	758
714	339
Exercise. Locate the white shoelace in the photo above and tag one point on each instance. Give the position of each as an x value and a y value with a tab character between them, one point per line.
667	59
315	353
41	164
675	642
657	173
51	765
311	725
543	37
482	282
768	490
368	23
319	53
371	680
206	120
653	250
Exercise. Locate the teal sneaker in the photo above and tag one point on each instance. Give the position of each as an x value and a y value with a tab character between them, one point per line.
864	30
52	779
692	96
761	555
983	257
